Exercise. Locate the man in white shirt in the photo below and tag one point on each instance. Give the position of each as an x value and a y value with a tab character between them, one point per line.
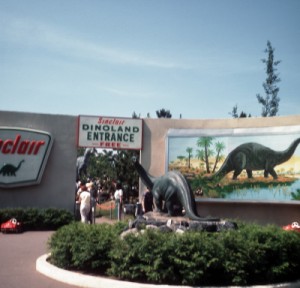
119	199
85	205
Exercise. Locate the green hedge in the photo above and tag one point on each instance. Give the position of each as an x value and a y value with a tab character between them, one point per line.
84	247
38	219
251	255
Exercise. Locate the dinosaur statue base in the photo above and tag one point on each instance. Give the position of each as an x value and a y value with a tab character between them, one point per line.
164	223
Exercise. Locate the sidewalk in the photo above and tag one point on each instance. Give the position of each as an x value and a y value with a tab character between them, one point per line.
18	255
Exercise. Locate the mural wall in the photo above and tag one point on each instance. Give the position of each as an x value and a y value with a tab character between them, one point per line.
261	164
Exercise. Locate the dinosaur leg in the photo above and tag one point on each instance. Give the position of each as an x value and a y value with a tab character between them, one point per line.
170	208
170	197
239	164
236	173
157	201
273	173
249	173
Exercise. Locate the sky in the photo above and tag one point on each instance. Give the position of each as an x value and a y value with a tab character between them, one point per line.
195	58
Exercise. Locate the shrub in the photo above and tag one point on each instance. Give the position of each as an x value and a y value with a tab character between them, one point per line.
83	247
38	219
251	255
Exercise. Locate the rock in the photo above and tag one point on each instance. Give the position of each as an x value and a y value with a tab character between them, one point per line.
151	226
179	231
129	231
165	228
155	220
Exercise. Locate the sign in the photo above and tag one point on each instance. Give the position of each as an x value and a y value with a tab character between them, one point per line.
109	132
23	156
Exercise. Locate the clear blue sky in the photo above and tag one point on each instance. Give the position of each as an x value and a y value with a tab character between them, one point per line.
198	58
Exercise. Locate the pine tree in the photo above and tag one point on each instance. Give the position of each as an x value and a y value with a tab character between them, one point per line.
270	102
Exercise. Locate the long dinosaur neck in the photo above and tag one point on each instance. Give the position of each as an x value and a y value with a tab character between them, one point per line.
288	153
20	164
146	178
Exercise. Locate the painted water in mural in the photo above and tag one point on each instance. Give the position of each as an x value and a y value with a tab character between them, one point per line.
249	164
272	192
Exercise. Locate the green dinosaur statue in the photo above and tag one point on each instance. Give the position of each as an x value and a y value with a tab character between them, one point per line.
173	189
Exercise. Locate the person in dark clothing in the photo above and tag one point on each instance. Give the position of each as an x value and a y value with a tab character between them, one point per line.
147	202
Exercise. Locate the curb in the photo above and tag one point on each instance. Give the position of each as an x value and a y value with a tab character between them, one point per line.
87	281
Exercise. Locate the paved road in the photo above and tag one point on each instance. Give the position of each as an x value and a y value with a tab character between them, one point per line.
18	254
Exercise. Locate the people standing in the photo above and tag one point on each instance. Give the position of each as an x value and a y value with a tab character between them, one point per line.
85	204
93	195
118	195
147	201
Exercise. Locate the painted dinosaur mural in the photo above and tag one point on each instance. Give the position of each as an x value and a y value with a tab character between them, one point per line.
10	169
254	156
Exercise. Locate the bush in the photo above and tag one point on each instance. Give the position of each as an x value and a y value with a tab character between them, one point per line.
251	255
38	219
83	247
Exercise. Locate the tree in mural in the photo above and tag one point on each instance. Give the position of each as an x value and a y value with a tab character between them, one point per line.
180	157
204	153
219	146
189	150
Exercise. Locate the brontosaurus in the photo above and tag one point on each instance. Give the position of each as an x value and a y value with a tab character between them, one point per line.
254	156
9	169
173	189
83	162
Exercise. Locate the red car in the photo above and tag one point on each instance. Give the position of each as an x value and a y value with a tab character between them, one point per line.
292	227
11	225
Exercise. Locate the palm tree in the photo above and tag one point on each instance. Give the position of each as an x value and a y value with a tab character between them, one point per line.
180	158
219	146
205	142
189	150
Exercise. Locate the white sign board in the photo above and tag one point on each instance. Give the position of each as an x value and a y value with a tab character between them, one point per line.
24	154
110	132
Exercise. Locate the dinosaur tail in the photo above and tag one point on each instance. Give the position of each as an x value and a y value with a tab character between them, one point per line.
189	200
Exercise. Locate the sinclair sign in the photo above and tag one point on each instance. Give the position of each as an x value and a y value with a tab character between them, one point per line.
23	156
110	132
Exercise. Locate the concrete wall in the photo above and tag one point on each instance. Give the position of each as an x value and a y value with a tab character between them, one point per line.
58	182
153	158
